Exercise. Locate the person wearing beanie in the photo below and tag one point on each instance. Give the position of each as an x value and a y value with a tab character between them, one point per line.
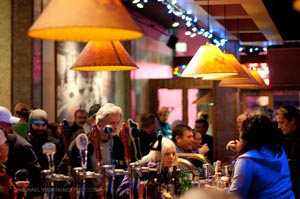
39	134
22	159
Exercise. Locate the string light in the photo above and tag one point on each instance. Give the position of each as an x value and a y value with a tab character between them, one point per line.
177	70
191	21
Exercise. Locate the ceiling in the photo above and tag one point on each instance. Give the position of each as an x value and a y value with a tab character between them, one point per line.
260	23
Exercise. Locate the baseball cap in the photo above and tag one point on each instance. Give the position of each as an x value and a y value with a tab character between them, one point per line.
3	138
38	116
5	116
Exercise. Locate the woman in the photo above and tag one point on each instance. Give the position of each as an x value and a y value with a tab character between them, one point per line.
167	157
261	169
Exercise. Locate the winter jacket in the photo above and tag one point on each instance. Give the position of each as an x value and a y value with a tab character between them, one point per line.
262	174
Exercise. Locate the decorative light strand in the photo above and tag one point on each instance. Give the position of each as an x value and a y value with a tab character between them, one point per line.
191	22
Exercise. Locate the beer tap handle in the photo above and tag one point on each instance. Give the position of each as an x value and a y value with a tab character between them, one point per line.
95	139
49	149
61	131
125	138
108	130
82	144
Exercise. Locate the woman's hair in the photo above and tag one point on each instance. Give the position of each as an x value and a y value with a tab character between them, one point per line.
155	156
163	110
257	130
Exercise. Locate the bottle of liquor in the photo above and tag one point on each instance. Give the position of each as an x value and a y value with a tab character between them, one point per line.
173	186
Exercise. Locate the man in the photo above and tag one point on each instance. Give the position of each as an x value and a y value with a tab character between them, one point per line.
183	138
87	129
39	134
149	125
202	125
111	146
197	146
288	120
90	123
80	118
108	114
21	157
5	181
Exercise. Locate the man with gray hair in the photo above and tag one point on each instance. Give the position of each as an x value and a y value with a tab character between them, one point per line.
109	115
108	119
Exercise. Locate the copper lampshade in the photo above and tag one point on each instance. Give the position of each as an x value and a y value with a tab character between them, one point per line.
206	98
209	61
84	20
104	56
255	81
231	60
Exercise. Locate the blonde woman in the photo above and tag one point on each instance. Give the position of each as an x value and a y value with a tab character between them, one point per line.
167	158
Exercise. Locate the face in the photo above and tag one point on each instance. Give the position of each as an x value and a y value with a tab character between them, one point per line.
186	141
113	120
163	116
197	141
81	118
3	153
168	157
7	127
39	130
284	125
201	128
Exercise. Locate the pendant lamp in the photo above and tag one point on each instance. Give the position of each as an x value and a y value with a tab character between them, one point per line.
104	56
231	60
85	20
255	81
207	98
209	61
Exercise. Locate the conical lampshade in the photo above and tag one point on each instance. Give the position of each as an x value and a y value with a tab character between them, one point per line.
85	20
231	60
255	81
209	61
104	56
207	98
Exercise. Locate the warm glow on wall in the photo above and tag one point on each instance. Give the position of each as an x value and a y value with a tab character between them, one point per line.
262	69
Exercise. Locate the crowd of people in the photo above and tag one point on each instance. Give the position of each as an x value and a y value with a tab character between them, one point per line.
264	147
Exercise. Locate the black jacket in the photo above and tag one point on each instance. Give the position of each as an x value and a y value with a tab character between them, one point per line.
291	145
23	161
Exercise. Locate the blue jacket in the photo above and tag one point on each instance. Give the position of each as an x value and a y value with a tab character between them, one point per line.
262	174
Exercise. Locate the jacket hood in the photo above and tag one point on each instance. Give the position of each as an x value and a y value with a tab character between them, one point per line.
266	157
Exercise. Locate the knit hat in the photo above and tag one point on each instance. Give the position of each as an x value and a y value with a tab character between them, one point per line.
38	116
5	116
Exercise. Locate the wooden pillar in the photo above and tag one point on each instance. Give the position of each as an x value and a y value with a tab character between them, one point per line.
21	45
5	53
226	108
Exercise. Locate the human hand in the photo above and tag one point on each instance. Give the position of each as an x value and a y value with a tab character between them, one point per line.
22	184
232	145
204	149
